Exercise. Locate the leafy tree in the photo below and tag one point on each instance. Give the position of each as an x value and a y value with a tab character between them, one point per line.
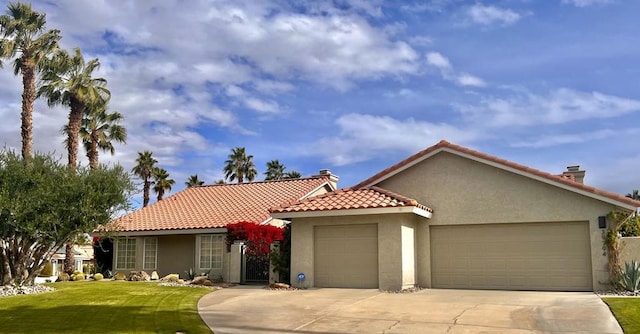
145	164
193	181
23	36
162	182
275	170
43	206
240	166
635	194
292	175
68	80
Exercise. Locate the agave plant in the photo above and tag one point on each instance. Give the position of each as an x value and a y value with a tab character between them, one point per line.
630	276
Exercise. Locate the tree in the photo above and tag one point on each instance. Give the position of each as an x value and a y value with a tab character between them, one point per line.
100	129
43	207
22	32
145	164
68	80
635	194
275	170
193	181
162	182
292	175
240	166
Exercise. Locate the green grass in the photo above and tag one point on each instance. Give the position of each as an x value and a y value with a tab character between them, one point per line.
104	307
627	311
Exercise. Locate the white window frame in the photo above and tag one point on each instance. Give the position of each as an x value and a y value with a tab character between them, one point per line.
219	258
117	265
145	265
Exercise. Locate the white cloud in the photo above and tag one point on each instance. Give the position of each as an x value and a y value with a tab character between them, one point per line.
558	107
490	14
586	3
443	64
563	139
365	136
262	106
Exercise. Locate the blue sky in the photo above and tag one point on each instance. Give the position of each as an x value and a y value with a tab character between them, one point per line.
355	85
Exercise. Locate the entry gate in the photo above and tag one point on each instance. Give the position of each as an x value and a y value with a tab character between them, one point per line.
255	269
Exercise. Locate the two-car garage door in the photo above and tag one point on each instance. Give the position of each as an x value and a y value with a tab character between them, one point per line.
537	256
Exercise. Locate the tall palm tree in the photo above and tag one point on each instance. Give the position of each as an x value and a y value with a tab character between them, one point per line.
240	166
292	175
162	182
144	167
68	80
635	194
275	170
22	32
99	130
193	181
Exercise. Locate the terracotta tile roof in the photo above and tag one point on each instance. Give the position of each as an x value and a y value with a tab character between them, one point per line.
445	145
349	198
217	205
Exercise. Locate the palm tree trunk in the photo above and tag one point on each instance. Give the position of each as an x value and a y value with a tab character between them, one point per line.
145	192
28	98
69	261
75	122
93	152
160	194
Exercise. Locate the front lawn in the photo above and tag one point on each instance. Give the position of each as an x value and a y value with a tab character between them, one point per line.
105	307
627	311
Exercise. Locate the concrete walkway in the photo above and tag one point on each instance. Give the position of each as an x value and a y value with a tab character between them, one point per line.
246	309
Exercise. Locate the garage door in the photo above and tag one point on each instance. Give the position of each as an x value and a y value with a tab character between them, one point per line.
540	256
346	256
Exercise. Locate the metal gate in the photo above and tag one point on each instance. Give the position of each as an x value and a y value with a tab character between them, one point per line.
255	269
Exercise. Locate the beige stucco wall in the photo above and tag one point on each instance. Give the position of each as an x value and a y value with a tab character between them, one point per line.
463	191
394	267
176	254
630	250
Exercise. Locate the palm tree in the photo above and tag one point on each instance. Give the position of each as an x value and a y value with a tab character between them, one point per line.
144	167
99	130
292	175
162	182
240	166
68	80
193	181
635	194
22	31
275	170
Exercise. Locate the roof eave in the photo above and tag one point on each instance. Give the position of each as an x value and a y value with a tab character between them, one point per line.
353	212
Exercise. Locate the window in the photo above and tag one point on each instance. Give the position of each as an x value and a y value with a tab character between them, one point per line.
126	253
210	251
150	256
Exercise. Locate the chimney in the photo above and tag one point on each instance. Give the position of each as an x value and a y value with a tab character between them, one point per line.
574	173
333	179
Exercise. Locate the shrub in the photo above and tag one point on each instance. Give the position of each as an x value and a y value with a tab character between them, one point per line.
191	274
630	276
119	276
78	277
63	277
258	237
47	270
77	272
98	276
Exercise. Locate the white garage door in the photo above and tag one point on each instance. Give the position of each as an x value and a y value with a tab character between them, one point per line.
537	256
346	256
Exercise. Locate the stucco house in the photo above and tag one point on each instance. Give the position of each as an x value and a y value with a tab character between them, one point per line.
452	217
187	230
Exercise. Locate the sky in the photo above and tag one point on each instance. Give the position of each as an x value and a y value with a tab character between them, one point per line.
355	86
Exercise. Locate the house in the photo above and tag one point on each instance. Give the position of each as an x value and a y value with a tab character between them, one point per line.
82	257
187	230
452	217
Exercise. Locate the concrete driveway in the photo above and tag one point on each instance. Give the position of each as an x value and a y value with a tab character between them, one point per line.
246	309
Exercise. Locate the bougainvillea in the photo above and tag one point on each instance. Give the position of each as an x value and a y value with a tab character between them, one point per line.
258	237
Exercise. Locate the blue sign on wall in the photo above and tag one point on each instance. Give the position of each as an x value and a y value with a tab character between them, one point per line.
301	277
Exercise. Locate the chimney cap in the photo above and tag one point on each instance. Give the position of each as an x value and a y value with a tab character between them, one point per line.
325	171
573	168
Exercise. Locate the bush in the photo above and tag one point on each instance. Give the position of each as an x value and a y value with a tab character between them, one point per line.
77	272
98	276
630	276
77	277
63	277
191	274
47	270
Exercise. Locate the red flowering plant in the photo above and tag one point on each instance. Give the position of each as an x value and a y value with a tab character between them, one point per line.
258	238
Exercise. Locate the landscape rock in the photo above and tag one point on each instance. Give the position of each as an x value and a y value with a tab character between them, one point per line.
198	280
171	278
154	276
11	290
119	276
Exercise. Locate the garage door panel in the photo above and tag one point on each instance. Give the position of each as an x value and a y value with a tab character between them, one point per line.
536	256
346	256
